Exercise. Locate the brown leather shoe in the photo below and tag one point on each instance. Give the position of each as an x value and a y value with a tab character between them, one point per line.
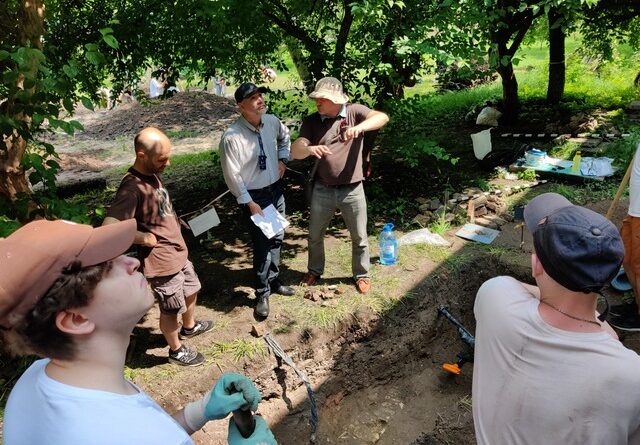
363	285
309	279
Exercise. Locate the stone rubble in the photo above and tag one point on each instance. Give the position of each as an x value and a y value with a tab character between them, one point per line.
488	209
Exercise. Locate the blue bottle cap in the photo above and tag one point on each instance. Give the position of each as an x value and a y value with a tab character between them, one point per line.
388	227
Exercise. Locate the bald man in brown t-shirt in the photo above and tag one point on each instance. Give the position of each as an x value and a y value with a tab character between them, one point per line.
161	247
334	135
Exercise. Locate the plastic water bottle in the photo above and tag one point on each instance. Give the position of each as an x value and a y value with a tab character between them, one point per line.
388	246
575	167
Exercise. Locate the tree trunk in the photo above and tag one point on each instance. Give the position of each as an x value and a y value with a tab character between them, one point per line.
390	86
555	88
13	180
511	103
341	41
299	61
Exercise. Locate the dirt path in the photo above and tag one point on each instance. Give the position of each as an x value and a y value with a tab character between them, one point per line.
194	121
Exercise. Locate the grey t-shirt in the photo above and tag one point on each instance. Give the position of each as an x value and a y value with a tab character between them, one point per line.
537	384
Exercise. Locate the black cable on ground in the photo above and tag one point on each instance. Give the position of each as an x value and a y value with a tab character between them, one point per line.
275	348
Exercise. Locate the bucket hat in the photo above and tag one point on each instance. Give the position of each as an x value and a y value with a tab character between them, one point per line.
329	88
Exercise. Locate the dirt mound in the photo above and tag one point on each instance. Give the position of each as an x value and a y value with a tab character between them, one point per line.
199	112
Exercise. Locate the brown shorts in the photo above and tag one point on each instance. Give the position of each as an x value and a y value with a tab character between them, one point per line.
171	291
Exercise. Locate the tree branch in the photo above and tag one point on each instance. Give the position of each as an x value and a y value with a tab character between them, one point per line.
287	24
343	36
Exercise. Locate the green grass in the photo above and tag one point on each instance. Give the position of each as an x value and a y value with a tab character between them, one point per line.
528	174
589	86
434	253
383	304
440	226
458	261
300	314
182	134
497	251
241	349
588	192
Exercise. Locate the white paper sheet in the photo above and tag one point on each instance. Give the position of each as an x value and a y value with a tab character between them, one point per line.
271	223
204	222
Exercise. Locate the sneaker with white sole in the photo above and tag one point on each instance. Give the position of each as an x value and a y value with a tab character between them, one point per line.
186	356
627	322
199	328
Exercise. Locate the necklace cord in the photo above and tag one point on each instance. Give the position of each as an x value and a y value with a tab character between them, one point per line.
584	320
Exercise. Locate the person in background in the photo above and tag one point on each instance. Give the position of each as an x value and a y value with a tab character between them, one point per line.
254	152
67	294
161	247
547	368
221	86
268	74
157	85
334	135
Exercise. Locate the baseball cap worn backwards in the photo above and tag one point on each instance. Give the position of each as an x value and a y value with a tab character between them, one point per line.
34	257
247	89
329	88
579	248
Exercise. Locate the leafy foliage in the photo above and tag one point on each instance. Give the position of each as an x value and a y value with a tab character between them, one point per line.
40	87
610	22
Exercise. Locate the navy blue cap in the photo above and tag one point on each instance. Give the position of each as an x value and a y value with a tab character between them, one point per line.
247	89
579	248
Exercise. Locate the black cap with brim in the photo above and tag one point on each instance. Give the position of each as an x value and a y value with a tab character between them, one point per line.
577	247
541	206
246	90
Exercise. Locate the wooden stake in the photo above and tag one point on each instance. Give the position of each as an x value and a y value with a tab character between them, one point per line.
621	188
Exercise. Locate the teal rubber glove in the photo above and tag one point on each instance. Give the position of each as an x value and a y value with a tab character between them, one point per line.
262	435
231	392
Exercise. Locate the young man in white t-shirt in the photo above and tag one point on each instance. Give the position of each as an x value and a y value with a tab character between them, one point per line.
69	295
547	369
625	316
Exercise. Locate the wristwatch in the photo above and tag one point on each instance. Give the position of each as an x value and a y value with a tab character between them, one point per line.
285	161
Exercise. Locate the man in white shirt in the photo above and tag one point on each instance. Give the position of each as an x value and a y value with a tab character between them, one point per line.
157	86
547	369
254	152
69	295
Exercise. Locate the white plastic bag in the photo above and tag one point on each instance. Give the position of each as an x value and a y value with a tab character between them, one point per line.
596	166
423	236
488	116
481	143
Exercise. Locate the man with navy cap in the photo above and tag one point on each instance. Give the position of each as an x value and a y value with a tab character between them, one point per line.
547	368
254	152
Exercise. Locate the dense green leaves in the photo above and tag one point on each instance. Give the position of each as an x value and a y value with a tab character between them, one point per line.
377	47
36	87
